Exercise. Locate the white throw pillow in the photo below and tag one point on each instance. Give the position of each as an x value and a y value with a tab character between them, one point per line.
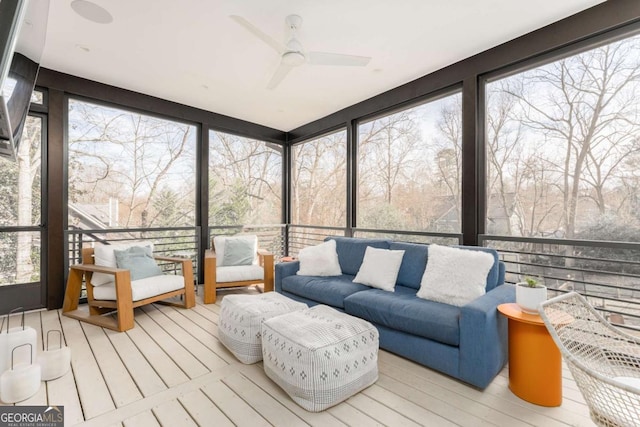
380	268
455	276
319	260
104	256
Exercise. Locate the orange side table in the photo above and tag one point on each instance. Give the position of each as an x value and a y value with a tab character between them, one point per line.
535	364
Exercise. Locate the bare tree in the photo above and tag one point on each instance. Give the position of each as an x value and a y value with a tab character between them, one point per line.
319	181
130	157
387	152
28	165
245	170
583	109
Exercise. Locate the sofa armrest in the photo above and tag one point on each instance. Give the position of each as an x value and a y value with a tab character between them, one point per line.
483	336
284	269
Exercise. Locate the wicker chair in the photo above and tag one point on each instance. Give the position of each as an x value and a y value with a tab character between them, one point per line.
604	361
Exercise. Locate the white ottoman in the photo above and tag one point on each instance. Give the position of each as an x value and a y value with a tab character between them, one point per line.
320	356
241	317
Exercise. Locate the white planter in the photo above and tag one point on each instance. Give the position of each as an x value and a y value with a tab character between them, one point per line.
529	298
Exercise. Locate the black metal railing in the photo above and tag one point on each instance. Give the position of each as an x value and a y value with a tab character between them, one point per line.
411	236
178	241
270	237
607	273
301	236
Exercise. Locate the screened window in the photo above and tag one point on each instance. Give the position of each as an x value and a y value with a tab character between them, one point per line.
20	206
563	147
409	168
245	181
319	181
129	170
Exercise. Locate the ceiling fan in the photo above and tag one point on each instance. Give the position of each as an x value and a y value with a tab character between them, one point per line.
292	54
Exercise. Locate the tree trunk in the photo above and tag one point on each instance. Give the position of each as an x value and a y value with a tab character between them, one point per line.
24	266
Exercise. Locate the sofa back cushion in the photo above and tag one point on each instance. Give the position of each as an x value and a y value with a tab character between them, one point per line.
413	264
351	251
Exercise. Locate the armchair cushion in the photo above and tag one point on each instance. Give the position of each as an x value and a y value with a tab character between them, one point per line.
142	288
238	252
239	273
219	246
104	256
139	261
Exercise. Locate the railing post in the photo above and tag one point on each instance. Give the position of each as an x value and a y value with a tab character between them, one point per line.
286	239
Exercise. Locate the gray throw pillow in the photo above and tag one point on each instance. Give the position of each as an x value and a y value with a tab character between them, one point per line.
237	252
139	261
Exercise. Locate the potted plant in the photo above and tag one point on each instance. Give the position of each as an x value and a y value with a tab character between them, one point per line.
529	294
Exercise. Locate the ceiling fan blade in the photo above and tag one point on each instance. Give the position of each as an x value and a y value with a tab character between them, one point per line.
278	47
280	74
325	58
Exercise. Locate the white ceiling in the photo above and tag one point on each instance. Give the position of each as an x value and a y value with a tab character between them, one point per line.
191	52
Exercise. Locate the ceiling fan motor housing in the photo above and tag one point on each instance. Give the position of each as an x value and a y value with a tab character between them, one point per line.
293	58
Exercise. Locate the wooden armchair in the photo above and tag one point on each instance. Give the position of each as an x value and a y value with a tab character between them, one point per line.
220	276
123	295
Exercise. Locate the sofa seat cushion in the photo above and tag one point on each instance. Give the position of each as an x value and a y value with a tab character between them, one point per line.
239	273
404	311
325	290
142	288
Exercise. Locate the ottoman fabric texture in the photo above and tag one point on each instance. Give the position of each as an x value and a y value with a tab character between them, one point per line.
320	356
239	325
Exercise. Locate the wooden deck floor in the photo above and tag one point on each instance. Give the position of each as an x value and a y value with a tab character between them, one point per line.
171	370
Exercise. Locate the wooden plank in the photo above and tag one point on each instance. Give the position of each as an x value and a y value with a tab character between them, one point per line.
207	314
267	406
92	389
379	411
203	410
202	330
172	414
255	373
465	411
155	400
179	332
189	364
570	412
145	377
234	408
143	419
496	397
121	386
417	406
62	391
352	416
162	364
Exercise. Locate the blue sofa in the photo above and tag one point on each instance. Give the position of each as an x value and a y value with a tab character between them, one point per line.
468	343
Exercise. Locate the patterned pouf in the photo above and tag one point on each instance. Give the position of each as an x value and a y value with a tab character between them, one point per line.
320	356
241	317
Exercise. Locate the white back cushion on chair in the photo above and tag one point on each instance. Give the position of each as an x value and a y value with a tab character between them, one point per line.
220	241
105	257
